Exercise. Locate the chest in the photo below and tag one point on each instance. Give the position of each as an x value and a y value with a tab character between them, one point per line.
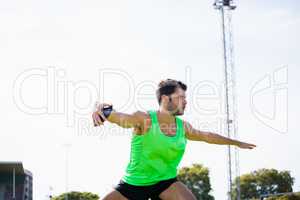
164	147
168	129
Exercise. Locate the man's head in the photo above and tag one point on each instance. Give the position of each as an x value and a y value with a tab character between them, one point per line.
171	96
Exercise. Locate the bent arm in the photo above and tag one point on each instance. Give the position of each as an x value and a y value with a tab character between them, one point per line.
212	138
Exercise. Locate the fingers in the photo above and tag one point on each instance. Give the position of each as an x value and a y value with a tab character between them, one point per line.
101	116
244	145
251	146
248	146
98	116
106	104
96	119
100	108
100	112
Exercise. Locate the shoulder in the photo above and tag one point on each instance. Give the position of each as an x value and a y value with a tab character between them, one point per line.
145	122
188	128
187	125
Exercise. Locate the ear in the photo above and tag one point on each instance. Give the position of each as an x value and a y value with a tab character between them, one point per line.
164	98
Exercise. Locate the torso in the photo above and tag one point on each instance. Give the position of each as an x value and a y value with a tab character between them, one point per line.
157	148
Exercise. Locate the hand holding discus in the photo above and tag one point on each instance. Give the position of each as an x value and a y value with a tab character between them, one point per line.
101	113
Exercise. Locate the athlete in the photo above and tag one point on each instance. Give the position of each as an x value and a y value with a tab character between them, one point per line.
157	146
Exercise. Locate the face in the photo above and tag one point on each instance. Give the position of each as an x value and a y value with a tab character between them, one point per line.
176	102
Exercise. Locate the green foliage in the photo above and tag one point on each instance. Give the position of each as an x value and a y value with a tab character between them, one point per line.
77	196
196	178
294	196
264	182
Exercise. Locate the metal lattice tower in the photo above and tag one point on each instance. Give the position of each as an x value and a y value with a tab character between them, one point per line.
225	7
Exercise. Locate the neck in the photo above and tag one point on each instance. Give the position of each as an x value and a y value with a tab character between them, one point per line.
165	112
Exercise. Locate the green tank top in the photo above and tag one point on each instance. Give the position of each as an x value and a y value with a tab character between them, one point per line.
154	156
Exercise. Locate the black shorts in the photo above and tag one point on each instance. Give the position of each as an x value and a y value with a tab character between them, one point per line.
133	192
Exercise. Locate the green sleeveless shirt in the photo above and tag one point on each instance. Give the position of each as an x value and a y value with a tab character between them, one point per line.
154	156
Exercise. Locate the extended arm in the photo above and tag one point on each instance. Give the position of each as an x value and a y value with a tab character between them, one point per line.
213	138
126	120
134	120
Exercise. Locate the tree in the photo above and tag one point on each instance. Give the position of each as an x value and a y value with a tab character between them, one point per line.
264	182
294	196
77	196
196	178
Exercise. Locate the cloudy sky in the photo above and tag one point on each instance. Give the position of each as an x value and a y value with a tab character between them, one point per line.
58	57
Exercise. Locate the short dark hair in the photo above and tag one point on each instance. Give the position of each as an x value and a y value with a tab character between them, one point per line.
168	87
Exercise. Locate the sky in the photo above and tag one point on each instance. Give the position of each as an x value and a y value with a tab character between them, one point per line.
59	57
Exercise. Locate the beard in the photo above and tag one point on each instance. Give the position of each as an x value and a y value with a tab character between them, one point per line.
174	110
